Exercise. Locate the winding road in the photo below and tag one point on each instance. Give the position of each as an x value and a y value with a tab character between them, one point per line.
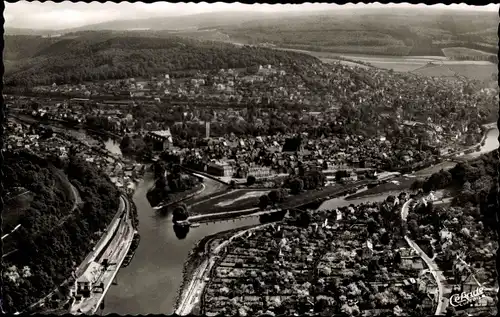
433	267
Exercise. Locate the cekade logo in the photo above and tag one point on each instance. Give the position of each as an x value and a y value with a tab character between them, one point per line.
465	298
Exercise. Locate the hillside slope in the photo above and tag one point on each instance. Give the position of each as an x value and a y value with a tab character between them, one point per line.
397	32
90	56
54	235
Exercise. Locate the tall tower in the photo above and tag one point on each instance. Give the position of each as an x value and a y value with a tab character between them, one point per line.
207	129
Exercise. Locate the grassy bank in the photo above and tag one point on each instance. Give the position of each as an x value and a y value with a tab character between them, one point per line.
234	200
322	194
403	183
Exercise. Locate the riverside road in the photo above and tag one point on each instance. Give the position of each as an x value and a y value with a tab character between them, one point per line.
151	281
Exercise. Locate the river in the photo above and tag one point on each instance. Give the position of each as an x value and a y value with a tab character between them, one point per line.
490	144
151	281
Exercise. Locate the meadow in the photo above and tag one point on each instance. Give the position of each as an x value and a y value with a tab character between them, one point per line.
452	52
232	201
440	67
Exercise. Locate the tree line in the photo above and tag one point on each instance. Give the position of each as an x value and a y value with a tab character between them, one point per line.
475	183
97	57
54	237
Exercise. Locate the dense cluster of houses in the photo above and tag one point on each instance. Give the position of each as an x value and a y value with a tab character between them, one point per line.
236	85
46	142
272	271
429	133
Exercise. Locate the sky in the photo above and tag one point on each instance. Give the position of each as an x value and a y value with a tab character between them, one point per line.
51	15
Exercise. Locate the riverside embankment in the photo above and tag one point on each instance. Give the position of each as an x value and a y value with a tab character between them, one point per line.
151	281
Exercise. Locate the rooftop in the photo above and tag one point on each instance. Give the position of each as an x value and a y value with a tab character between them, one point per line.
162	133
90	273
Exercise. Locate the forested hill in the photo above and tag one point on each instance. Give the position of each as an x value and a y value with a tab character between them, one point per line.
115	55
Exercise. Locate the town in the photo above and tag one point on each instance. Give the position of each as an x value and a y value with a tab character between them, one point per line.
328	163
255	138
231	145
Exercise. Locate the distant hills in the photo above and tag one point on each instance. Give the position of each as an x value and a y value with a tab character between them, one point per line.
379	31
88	56
135	47
173	23
376	32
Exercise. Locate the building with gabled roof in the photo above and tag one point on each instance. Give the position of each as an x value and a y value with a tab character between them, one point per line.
85	282
161	140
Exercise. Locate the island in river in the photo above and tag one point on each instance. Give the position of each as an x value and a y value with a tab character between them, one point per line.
151	281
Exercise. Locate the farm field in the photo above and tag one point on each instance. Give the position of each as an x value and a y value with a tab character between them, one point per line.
471	70
333	60
250	195
398	66
435	71
463	51
474	71
398	184
478	70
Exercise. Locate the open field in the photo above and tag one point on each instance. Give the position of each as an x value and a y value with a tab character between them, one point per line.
435	71
451	52
332	60
402	183
474	71
232	201
477	70
248	195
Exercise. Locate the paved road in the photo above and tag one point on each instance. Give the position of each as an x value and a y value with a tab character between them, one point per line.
23	193
115	253
78	199
13	230
75	204
433	267
159	207
90	257
212	186
436	273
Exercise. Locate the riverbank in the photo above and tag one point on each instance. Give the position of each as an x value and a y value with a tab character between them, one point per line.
238	199
176	198
489	142
151	281
200	253
196	287
248	206
396	184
